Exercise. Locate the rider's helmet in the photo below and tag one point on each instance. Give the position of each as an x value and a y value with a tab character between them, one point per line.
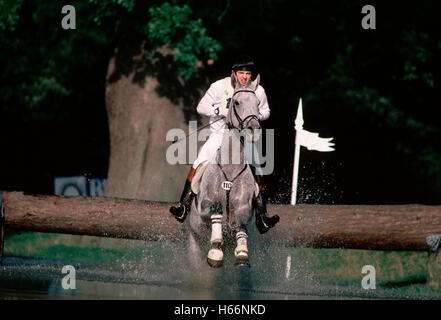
243	63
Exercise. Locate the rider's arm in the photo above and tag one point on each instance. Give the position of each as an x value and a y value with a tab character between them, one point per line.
264	110
211	100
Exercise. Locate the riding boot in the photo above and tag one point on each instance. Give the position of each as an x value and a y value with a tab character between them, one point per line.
263	222
180	212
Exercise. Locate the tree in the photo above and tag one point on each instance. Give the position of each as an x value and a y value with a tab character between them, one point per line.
45	89
152	82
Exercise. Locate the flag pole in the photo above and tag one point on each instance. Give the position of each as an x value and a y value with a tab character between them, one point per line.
295	176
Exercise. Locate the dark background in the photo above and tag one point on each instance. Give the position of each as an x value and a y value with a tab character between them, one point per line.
375	91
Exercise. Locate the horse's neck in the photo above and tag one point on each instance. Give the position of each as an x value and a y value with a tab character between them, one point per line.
231	154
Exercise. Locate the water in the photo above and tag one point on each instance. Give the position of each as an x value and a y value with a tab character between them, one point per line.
161	276
165	272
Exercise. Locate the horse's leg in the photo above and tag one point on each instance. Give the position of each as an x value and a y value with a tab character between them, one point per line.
243	216
241	251
215	256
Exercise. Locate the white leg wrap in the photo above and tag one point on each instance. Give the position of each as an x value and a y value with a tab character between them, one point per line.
241	238
216	228
241	250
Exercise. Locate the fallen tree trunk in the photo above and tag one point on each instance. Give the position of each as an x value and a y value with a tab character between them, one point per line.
383	227
92	216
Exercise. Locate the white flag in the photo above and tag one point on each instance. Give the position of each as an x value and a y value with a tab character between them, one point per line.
312	141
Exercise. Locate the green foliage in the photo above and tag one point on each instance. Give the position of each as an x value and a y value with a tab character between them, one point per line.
390	119
40	88
32	74
172	25
45	58
418	56
164	24
9	15
109	9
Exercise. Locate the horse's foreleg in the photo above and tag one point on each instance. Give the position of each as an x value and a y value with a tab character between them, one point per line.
216	229
241	251
242	216
215	256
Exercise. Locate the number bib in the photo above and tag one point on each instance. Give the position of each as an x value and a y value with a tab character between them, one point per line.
226	185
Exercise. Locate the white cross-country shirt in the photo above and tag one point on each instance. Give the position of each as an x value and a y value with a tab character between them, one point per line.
217	96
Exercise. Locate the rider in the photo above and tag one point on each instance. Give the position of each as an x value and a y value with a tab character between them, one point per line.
214	105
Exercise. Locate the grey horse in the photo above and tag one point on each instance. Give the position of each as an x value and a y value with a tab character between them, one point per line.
223	205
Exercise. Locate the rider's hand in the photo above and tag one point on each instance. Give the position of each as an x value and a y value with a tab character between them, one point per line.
223	112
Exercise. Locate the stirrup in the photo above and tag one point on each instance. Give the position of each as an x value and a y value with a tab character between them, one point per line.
179	213
264	223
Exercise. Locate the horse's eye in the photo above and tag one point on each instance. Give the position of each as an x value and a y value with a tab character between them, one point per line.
236	103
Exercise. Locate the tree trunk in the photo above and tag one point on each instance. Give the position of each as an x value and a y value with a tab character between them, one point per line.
396	227
144	100
376	227
92	216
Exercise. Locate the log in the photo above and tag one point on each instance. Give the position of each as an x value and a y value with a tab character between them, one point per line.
371	227
91	216
379	227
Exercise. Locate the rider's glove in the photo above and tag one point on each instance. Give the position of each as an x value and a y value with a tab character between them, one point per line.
223	112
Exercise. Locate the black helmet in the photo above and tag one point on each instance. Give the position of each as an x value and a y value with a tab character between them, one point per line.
244	63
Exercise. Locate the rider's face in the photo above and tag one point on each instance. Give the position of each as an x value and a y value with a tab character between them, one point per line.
243	76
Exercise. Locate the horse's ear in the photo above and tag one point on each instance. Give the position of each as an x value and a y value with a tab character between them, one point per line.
234	81
255	83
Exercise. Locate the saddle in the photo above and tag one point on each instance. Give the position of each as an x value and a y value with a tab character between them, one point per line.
196	182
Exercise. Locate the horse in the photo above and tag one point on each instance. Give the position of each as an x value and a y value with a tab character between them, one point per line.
223	206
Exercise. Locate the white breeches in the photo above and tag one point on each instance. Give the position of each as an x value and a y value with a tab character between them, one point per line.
214	141
208	150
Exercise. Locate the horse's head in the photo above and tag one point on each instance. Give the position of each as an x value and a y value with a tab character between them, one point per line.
244	109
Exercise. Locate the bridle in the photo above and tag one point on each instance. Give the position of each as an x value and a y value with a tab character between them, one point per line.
241	121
